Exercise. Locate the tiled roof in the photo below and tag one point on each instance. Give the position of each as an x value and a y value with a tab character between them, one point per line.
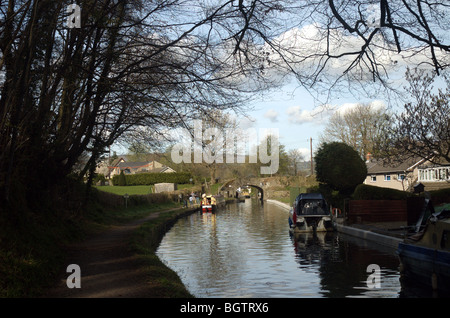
378	166
133	164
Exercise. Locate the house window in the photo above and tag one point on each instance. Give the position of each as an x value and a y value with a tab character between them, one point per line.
387	177
401	177
373	178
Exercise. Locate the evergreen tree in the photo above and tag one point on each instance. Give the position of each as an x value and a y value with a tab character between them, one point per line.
340	166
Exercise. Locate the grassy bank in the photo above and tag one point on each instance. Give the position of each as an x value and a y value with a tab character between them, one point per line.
31	253
32	247
146	189
163	281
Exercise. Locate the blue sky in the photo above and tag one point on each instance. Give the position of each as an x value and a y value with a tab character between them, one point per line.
279	110
298	116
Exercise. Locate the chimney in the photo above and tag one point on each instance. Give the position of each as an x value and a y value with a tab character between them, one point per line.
368	157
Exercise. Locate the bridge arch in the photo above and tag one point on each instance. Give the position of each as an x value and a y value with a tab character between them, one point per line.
237	182
261	190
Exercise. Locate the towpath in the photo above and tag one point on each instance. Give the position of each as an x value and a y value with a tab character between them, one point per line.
109	268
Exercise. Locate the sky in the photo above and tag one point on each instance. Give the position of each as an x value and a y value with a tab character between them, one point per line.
297	116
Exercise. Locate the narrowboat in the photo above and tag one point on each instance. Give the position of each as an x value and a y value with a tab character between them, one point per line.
310	213
425	256
212	203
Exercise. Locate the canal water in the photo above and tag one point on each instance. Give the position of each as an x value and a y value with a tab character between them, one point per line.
245	250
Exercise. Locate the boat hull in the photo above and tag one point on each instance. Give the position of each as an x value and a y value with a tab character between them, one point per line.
209	208
307	224
426	266
212	206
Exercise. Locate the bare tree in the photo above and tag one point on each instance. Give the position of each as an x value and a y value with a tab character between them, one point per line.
294	156
336	45
65	91
361	127
422	129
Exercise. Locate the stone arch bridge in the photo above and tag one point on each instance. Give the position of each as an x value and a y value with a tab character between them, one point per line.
230	187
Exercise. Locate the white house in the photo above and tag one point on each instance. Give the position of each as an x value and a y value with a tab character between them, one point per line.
120	164
400	176
434	176
405	175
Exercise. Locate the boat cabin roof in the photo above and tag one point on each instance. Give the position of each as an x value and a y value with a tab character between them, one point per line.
310	204
310	196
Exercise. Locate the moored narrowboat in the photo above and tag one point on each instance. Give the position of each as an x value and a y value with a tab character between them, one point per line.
310	213
425	256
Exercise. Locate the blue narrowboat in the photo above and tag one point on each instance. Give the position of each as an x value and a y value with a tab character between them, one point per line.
425	256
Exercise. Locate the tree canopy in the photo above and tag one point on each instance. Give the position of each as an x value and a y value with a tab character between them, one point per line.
339	166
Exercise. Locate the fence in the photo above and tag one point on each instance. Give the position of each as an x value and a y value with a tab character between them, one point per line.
363	211
408	210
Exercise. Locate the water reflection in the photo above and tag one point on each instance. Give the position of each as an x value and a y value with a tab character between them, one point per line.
342	265
245	250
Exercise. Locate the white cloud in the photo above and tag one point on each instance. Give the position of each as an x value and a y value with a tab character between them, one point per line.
321	114
272	115
344	108
376	105
317	115
306	153
306	50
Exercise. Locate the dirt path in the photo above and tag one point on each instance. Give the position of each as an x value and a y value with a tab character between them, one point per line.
108	267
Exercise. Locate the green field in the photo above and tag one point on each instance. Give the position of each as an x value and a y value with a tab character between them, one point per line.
121	190
146	189
141	189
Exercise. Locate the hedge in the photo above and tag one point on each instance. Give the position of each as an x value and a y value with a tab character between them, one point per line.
114	200
368	192
121	179
152	178
440	196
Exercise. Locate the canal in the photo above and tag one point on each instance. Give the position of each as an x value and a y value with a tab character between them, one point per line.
245	250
